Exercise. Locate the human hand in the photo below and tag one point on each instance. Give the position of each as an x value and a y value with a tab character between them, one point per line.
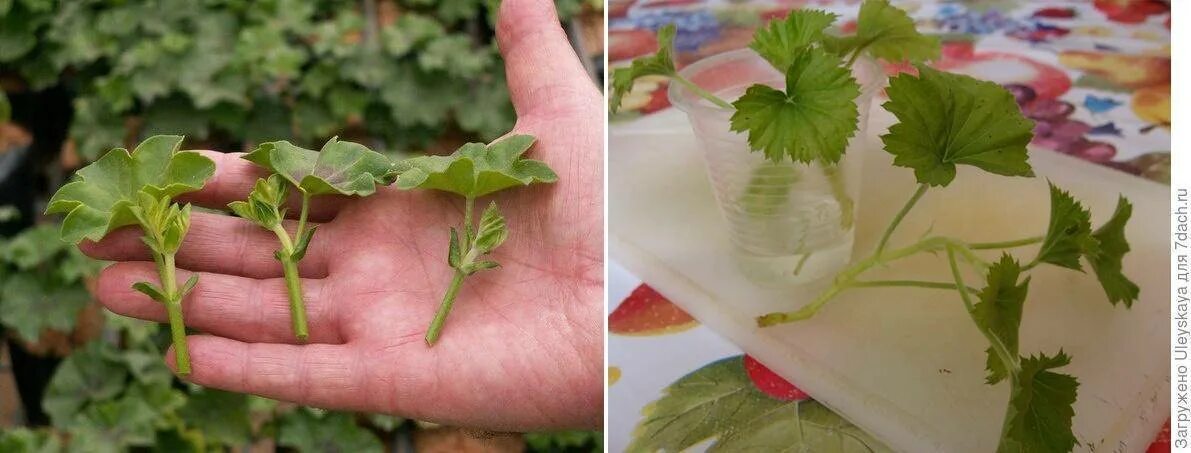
523	347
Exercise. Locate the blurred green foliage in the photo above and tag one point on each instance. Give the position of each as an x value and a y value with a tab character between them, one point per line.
242	71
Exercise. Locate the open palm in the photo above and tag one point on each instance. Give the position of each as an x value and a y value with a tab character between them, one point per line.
522	349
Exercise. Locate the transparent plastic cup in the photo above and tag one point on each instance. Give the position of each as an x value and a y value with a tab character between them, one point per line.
790	223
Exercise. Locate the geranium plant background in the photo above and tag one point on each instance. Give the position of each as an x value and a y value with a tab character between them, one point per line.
403	76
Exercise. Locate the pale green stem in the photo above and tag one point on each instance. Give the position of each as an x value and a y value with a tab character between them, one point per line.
448	300
468	207
297	307
173	309
802	262
701	92
293	282
897	219
302	215
1007	359
846	278
1006	244
852	59
907	283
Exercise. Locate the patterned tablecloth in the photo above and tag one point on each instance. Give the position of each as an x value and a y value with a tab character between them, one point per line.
1093	75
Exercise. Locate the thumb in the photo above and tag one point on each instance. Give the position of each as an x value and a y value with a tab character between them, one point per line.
544	74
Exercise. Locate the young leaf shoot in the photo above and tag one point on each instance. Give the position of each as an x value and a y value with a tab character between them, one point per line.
340	168
473	171
945	120
122	189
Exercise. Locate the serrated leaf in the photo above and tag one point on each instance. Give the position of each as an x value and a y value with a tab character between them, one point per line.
888	33
492	231
89	374
343	168
1106	261
719	401
811	121
780	42
475	169
1040	412
660	63
303	243
454	253
33	303
99	198
151	290
305	432
999	311
1069	234
948	119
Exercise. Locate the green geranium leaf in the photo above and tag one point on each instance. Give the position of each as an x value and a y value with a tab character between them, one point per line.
811	121
475	170
999	311
92	373
102	195
888	33
25	440
660	63
780	42
113	426
221	416
1069	234
1040	411
334	432
1106	262
32	303
144	363
343	168
948	119
34	246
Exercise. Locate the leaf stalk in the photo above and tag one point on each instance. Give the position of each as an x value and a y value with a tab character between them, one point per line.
698	90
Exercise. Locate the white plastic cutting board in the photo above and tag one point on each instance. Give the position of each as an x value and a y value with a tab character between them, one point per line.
907	365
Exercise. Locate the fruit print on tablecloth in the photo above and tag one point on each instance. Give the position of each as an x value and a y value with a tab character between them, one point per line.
645	312
727	406
1112	49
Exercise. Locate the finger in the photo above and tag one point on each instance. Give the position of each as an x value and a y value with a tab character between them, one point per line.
235	307
219	244
544	75
233	181
329	376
